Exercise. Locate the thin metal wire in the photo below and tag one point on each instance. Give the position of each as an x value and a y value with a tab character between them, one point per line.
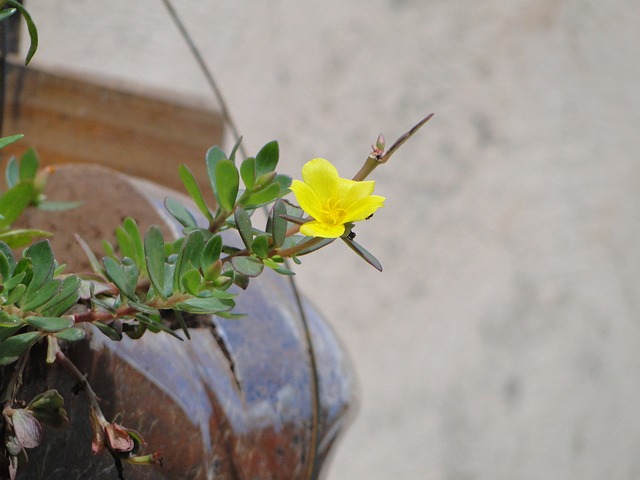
312	465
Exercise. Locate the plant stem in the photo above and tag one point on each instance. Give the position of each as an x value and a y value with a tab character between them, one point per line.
70	367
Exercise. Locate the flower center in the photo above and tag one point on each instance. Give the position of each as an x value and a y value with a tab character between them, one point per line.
333	212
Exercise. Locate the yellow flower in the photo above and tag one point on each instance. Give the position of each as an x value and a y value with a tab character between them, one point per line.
332	201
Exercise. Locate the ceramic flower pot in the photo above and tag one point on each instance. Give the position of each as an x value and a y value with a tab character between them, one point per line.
237	401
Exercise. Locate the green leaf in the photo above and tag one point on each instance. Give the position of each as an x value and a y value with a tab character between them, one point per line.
47	407
4	141
43	264
29	164
227	184
110	332
213	156
50	324
14	201
8	328
205	305
278	224
316	246
34	298
16	294
4	14
12	172
232	155
154	252
17	238
73	334
193	188
262	197
243	223
248	266
278	267
260	245
248	172
267	158
188	256
211	252
180	213
190	281
9	262
31	27
13	347
363	253
116	274
67	297
93	261
131	227
51	206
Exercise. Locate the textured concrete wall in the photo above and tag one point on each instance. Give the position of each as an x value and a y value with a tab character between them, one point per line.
501	342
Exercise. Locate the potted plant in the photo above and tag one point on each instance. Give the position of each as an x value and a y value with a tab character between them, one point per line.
145	349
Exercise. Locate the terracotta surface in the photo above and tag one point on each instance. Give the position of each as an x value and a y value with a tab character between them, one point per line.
235	402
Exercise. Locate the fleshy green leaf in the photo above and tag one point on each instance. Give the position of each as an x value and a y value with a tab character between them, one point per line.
260	245
193	188
267	158
190	281
110	332
205	305
227	184
17	238
29	164
4	14
188	257
248	172
47	407
51	206
9	262
73	334
34	298
211	251
234	150
249	266
13	347
262	197
278	224
131	227
43	264
214	155
93	261
50	324
363	253
14	201
154	252
4	141
243	223
278	267
31	27
67	297
12	172
180	213
116	274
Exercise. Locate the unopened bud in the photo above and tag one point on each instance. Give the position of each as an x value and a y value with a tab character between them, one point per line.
380	143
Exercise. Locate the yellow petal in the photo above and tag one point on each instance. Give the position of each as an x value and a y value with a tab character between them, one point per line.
352	191
363	208
317	229
322	178
306	198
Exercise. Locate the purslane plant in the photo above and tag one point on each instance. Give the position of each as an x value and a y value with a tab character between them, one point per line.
138	281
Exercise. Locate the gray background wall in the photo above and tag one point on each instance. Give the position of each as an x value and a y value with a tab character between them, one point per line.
501	342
